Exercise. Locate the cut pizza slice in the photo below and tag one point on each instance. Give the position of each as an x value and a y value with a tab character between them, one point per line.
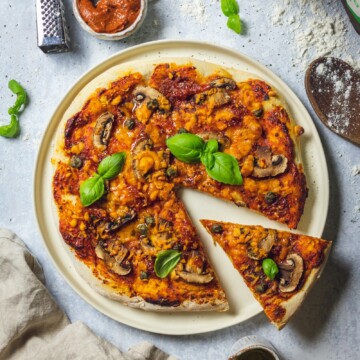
279	267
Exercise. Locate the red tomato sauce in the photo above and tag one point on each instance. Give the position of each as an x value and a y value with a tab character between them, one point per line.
109	16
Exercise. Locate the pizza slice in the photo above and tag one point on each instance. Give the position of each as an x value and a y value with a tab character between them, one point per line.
277	266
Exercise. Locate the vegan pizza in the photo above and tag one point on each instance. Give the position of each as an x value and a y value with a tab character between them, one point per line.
137	133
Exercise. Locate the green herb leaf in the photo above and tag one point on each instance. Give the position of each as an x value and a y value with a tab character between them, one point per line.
229	7
212	146
91	190
234	23
165	262
112	165
270	268
225	169
208	160
12	130
18	90
186	147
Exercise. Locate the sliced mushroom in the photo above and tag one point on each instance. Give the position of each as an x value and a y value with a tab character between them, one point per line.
291	271
226	83
142	93
102	130
260	250
223	140
120	221
215	96
194	270
267	164
152	98
116	263
195	278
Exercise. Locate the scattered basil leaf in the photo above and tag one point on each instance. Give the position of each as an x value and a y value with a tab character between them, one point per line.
186	147
229	7
112	165
270	268
212	146
225	169
165	262
12	130
92	190
18	90
234	23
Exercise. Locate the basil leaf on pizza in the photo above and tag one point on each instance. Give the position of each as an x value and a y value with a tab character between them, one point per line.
92	190
112	165
270	268
212	146
165	262
225	169
186	147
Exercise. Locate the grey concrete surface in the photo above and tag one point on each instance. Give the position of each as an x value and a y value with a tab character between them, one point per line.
327	327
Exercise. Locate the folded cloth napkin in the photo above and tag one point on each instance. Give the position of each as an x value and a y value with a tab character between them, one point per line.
32	326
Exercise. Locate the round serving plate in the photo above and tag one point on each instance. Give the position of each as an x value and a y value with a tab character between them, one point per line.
200	206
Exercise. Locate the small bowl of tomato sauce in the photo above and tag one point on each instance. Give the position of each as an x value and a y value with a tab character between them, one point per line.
110	19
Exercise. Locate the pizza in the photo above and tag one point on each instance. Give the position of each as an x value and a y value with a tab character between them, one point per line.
133	109
281	288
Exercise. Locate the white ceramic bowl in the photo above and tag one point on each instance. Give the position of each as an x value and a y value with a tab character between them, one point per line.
113	36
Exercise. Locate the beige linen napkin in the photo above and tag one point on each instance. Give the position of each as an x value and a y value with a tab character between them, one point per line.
32	326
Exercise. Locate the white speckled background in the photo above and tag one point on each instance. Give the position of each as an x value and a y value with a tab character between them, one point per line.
327	327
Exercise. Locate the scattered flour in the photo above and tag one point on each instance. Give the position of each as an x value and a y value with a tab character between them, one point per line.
355	170
196	9
316	32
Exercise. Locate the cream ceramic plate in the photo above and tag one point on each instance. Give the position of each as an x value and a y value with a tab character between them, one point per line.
242	304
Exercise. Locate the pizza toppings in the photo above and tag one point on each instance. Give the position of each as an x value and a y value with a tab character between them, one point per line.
118	223
76	162
102	130
194	270
117	263
291	271
147	101
260	250
226	83
214	97
267	164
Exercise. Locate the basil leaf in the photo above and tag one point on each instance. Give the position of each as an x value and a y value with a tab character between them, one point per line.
208	160
229	7
212	146
270	268
225	169
91	190
186	147
18	90
112	165
234	23
165	262
12	130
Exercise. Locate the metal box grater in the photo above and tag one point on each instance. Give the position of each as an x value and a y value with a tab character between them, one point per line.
52	33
